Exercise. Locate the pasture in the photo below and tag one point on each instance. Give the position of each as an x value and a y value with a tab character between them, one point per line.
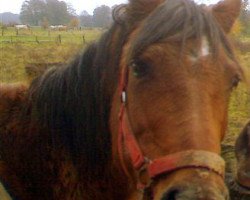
24	50
239	105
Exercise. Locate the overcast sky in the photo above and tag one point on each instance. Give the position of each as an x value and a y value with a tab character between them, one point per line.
14	6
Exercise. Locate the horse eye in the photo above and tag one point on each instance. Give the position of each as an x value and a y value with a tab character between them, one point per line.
140	68
235	81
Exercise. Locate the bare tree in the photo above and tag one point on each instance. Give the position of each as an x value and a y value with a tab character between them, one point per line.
86	20
102	16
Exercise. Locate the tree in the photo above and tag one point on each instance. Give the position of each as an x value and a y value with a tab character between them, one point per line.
57	12
84	13
102	16
45	23
245	14
86	20
32	12
71	10
74	23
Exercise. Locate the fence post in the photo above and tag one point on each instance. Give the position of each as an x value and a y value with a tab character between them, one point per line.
11	39
37	40
83	39
59	39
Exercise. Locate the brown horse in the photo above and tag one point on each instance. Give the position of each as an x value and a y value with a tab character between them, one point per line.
238	167
139	115
242	151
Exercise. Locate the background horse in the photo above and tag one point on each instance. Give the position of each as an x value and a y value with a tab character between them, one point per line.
139	115
237	169
58	28
243	159
22	26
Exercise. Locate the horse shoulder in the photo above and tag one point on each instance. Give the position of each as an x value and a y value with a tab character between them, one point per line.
10	184
12	98
11	102
4	195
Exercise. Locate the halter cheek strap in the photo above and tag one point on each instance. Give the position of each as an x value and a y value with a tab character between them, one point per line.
186	159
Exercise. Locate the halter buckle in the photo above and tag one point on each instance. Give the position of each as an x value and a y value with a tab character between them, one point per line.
123	96
144	180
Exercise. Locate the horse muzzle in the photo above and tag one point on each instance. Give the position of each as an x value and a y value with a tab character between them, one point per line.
191	184
186	175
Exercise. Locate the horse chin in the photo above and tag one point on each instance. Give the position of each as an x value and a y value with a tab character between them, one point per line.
191	184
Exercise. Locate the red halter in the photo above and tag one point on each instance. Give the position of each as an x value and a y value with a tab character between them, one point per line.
169	163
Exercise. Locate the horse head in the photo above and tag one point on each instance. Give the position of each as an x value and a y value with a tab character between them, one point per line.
142	112
177	71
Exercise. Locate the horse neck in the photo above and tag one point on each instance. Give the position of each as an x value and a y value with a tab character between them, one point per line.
109	176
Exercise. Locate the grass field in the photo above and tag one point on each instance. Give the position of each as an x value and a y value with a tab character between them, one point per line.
239	107
16	55
39	35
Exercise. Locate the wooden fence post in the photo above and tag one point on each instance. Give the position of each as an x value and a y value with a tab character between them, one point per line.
83	39
37	40
59	39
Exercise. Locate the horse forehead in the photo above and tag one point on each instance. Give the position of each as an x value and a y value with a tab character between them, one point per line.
202	51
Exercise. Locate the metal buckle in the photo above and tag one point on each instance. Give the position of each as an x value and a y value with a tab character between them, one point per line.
143	179
123	96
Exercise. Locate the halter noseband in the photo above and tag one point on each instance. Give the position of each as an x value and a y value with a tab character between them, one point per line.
169	163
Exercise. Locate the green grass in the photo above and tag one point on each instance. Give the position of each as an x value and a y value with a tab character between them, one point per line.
40	35
239	112
239	107
16	55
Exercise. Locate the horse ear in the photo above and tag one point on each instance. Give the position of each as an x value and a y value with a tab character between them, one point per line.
226	13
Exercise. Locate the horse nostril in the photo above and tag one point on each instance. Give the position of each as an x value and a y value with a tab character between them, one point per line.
194	192
170	195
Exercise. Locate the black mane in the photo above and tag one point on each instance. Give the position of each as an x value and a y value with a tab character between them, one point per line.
73	102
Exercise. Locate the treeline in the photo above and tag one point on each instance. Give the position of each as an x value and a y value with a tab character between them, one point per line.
54	12
245	17
101	17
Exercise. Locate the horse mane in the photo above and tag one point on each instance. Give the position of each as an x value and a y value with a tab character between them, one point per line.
73	101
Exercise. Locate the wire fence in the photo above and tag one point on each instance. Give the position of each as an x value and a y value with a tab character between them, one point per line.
43	39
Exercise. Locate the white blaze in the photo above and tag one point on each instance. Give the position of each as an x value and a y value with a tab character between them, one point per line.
202	52
204	47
